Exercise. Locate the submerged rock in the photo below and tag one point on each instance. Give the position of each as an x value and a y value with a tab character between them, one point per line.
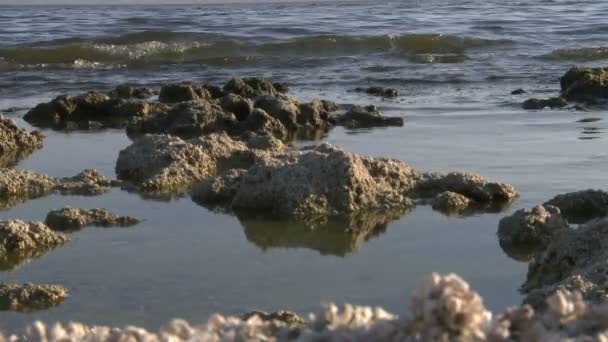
581	206
162	163
451	202
366	117
327	181
553	102
30	297
15	142
75	218
379	91
585	84
21	240
89	182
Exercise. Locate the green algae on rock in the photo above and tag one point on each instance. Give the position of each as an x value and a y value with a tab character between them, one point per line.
76	218
29	297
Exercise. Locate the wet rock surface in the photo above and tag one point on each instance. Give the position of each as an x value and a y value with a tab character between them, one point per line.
552	103
21	240
162	163
379	91
174	93
327	181
30	297
451	203
365	117
76	218
585	84
581	206
16	143
253	87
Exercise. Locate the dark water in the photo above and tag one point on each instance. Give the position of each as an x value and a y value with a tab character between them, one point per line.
455	64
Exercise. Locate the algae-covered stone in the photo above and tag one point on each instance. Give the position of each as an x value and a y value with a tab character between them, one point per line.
21	240
15	142
251	87
366	117
581	206
89	182
76	218
585	84
29	297
552	103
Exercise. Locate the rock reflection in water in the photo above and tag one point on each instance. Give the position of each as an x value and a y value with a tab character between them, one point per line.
332	236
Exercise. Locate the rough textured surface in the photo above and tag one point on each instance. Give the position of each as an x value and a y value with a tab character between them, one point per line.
76	218
252	87
182	92
21	240
162	163
326	181
16	143
451	203
281	316
585	84
366	117
553	102
92	110
379	91
30	297
581	206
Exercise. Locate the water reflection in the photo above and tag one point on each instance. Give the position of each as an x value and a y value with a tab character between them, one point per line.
337	236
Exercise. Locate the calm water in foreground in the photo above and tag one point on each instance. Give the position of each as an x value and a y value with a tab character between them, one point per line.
455	64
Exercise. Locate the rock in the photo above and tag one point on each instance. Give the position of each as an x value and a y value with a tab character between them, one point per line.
215	91
30	297
280	87
338	236
585	84
287	317
241	107
530	230
314	114
20	241
88	111
379	91
89	183
186	120
284	109
260	122
75	218
366	117
552	103
15	142
251	87
125	91
451	202
327	181
581	206
518	92
174	93
587	120
161	163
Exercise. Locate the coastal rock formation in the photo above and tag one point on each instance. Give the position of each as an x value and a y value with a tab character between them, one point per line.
75	218
581	206
92	110
443	308
288	317
585	84
327	181
241	107
365	117
17	186
30	297
15	142
125	91
162	163
21	240
252	87
451	202
534	227
379	91
552	103
174	93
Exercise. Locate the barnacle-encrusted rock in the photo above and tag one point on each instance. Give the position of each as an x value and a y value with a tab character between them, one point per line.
183	92
553	102
535	227
251	87
21	240
76	218
379	91
585	84
186	120
15	142
581	206
366	117
30	297
327	181
89	182
451	202
89	111
162	163
281	316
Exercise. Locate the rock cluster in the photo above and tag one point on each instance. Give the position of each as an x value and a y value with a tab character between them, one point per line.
21	240
76	218
379	91
443	308
15	142
29	297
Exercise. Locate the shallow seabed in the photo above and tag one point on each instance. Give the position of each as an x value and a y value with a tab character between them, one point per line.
184	261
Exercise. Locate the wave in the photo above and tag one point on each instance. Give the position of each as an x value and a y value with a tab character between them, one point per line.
581	54
163	47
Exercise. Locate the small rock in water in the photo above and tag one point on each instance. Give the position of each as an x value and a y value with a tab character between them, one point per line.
585	84
366	117
518	92
29	297
75	218
451	202
174	93
15	142
553	102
